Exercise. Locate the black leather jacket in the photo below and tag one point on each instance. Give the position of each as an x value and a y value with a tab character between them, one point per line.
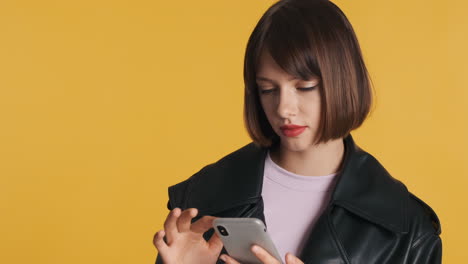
371	217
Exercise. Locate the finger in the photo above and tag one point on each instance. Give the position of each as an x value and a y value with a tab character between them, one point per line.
158	241
215	243
228	259
184	221
203	224
263	255
291	259
170	226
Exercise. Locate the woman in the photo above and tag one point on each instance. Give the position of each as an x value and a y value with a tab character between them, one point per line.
323	198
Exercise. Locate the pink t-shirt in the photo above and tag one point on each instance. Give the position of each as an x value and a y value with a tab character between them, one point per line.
293	204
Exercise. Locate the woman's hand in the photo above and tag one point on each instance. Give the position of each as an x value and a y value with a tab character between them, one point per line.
184	240
264	257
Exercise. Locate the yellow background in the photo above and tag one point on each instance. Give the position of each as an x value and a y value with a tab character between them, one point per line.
104	104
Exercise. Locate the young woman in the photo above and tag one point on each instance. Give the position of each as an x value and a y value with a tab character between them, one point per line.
324	199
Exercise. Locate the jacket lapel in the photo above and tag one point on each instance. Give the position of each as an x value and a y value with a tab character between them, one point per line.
322	245
232	182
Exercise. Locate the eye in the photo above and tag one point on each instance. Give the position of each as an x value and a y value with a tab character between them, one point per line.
305	89
267	91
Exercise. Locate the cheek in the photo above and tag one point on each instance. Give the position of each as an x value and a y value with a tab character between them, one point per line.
311	103
310	110
270	111
267	107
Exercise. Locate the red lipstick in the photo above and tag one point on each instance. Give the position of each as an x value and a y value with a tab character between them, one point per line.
292	130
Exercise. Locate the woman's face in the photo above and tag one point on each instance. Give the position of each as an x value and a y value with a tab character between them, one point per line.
289	102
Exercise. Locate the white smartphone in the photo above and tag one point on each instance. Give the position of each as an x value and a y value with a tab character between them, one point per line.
238	236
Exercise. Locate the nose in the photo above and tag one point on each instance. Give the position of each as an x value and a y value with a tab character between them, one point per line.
287	104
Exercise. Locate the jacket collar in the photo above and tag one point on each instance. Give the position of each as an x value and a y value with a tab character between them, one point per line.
364	187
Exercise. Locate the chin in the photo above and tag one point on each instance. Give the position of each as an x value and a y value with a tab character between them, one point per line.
295	144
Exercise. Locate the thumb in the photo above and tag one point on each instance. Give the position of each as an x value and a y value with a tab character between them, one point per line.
291	259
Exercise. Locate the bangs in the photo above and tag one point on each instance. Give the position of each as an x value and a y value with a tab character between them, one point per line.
291	45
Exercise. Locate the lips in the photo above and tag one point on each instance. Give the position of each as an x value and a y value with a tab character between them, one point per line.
292	130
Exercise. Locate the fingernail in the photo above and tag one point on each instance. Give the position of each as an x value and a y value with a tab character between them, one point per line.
255	248
223	258
194	212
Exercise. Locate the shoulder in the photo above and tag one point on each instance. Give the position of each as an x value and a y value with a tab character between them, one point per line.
235	166
368	190
423	219
424	232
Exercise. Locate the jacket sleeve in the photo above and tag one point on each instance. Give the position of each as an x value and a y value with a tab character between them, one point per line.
159	260
426	250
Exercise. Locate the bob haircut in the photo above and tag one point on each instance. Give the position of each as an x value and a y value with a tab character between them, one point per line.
309	38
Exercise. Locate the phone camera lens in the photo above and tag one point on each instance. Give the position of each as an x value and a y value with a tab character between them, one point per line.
223	231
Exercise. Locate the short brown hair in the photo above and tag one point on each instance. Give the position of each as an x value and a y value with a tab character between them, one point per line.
309	38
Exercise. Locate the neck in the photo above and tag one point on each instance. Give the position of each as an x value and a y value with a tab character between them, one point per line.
317	160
